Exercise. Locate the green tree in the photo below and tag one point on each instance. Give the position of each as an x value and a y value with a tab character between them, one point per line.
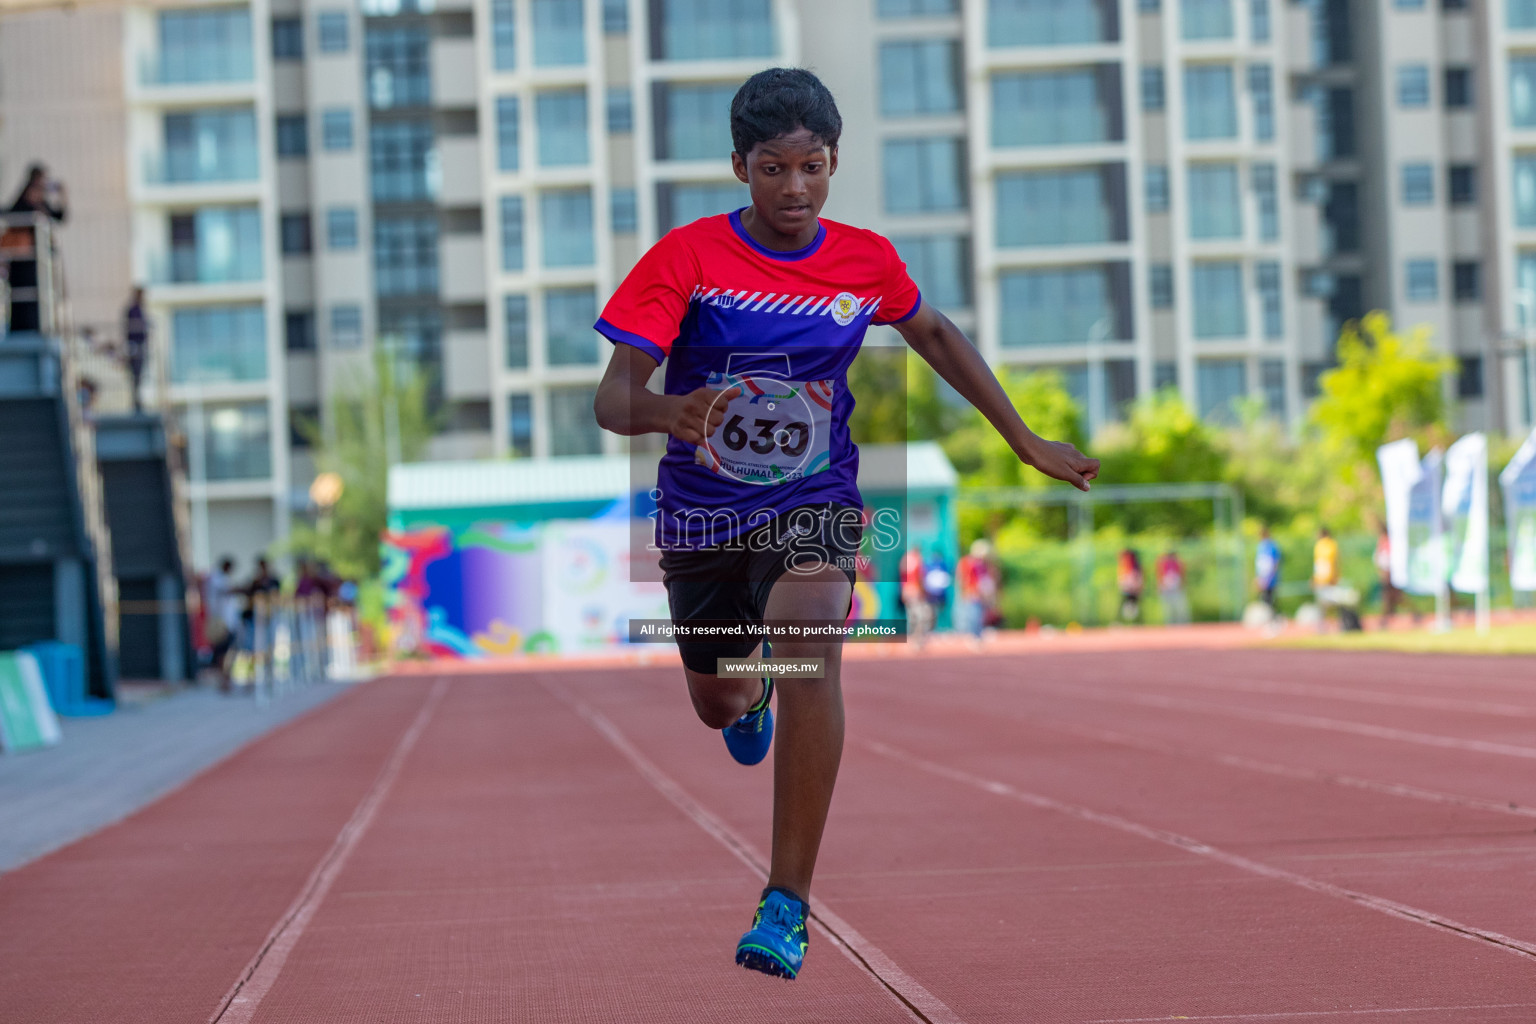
898	398
1160	441
388	408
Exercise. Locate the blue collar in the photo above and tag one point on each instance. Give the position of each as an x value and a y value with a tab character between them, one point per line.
801	253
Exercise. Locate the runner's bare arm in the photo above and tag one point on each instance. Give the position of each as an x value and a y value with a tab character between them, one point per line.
953	357
626	406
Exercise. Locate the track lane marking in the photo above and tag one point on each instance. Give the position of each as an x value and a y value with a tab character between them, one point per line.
921	1004
1377	903
244	997
1299	1014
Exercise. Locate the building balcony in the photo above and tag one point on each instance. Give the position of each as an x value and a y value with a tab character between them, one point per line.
453	73
463	268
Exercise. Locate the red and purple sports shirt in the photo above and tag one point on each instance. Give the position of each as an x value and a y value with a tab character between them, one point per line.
725	311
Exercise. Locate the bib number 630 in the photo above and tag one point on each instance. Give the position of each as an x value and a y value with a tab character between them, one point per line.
792	438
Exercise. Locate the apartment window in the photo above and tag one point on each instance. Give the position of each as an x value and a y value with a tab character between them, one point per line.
508	133
1458	87
1469	377
1258	20
1335	124
568	334
503	35
1466	281
203	46
1272	378
1216	290
1418	184
346	327
237	442
219	344
287	39
615	17
683	203
1423	281
915	8
299	331
333	31
940	265
399	68
1413	85
1217	212
1160	286
1462	184
1408	5
1077	206
573	430
1155	180
1520	13
512	233
1165	375
520	425
711	29
693	122
515	333
1266	275
1210	112
558	38
1051	22
621	111
566	217
214	245
413	338
1266	198
210	145
924	175
341	228
1522	92
1205	19
405	255
1060	305
292	136
1149	6
336	129
919	77
1152	91
1057	108
624	210
1261	90
295	234
1525	190
562	125
1455	5
402	160
1220	384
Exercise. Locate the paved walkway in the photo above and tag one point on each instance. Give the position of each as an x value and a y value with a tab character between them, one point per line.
106	768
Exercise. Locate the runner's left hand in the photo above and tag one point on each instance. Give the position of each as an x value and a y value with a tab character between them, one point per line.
1062	461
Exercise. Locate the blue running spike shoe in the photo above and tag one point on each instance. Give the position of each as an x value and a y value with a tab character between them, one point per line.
750	736
778	939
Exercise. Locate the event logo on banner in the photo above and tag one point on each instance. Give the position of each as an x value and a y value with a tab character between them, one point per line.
1464	504
1426	534
1400	470
1518	481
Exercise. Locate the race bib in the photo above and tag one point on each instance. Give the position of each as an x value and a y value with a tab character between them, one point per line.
775	431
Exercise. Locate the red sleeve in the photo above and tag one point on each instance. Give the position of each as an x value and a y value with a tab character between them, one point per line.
900	298
648	307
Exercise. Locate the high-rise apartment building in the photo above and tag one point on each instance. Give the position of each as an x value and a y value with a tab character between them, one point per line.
1187	193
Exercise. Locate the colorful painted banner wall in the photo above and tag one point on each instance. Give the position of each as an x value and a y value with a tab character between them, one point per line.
495	589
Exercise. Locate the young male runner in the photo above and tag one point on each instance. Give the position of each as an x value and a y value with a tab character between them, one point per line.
761	311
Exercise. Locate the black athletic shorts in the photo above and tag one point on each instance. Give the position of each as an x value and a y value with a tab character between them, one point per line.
731	582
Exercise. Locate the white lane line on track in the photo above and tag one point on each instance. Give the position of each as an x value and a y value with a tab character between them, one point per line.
1385	906
1340	693
244	997
921	1004
1302	1014
1379	732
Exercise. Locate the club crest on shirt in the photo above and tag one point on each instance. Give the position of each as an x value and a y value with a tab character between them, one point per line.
844	308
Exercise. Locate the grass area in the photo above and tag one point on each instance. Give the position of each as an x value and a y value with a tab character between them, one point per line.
1510	639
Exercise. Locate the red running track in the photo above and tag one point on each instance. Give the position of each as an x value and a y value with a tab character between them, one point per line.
1089	837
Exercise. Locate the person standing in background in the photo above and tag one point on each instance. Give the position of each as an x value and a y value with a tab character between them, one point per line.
1129	576
1266	569
977	589
136	342
1391	596
1325	573
41	194
914	598
1170	588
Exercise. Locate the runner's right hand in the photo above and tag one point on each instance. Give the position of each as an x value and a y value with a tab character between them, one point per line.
697	415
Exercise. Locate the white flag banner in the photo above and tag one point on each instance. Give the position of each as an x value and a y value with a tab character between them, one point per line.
1464	507
1400	470
1518	482
1426	533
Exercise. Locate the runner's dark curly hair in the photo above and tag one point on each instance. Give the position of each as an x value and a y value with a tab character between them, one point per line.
779	100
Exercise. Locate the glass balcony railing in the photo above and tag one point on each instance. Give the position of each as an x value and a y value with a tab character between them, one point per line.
202	168
197	67
189	264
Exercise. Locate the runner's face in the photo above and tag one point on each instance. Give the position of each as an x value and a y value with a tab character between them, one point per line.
788	177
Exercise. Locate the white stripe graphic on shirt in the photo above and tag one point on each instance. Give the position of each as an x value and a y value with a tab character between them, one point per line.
763	301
